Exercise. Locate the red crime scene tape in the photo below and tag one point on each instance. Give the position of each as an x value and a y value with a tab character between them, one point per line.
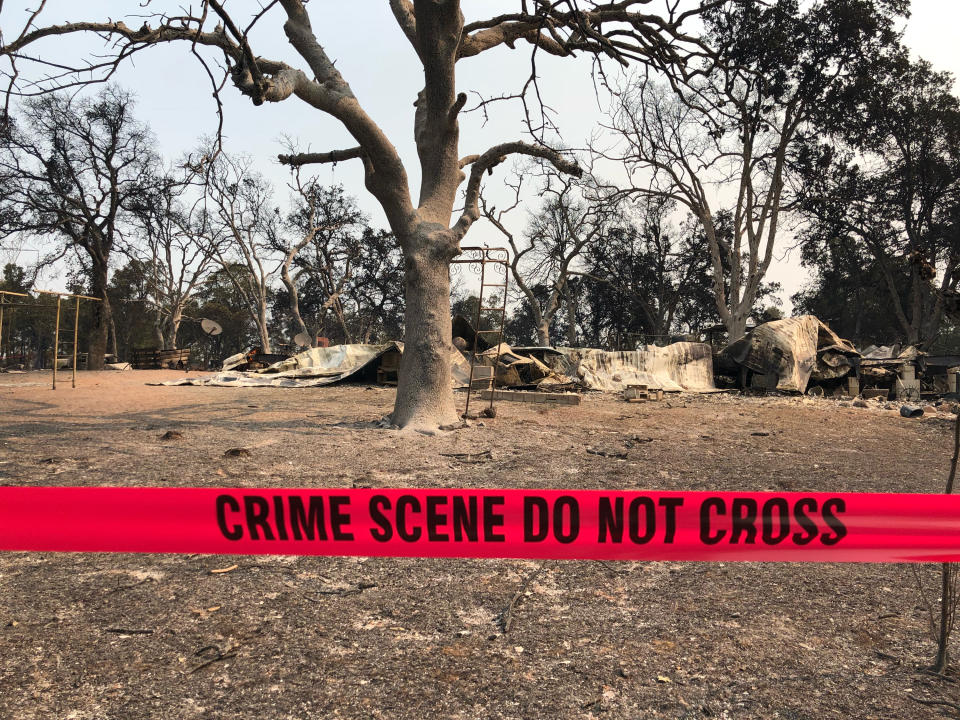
560	524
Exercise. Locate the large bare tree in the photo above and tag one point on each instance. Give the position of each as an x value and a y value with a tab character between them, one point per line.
176	245
438	33
326	236
242	238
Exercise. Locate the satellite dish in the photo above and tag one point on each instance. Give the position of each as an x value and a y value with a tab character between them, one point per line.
210	327
302	339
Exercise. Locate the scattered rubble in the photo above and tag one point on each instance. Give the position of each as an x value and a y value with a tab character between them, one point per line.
794	355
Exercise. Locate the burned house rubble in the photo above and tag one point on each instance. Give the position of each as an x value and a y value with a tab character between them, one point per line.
680	367
803	355
478	364
800	355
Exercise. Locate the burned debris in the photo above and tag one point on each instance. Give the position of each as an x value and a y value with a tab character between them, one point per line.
797	355
803	355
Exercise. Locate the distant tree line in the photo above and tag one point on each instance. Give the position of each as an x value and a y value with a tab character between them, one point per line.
813	126
168	245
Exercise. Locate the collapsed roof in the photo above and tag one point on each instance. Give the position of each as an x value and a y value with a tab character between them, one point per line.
794	351
319	366
681	366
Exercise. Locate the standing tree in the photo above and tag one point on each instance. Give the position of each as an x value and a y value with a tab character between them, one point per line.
328	231
376	288
648	278
724	144
72	168
843	290
889	185
176	250
425	228
544	259
243	231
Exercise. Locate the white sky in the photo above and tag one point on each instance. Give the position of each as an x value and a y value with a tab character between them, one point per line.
175	98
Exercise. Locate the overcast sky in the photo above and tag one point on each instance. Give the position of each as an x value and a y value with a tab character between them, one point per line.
175	98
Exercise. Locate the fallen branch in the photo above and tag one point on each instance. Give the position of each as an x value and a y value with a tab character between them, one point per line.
344	591
470	458
506	616
120	588
220	656
944	703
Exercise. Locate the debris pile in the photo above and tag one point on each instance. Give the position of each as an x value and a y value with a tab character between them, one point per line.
683	366
311	368
803	355
791	353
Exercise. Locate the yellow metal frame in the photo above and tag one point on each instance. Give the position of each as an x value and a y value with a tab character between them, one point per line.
76	327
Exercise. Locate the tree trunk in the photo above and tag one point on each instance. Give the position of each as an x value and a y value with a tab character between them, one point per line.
341	318
295	309
176	317
424	394
571	318
262	328
543	332
294	295
158	333
113	332
97	346
736	327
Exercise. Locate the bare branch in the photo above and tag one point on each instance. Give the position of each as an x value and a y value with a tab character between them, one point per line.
334	156
407	20
493	157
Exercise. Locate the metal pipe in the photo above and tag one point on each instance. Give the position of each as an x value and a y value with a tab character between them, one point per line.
476	339
503	321
56	343
63	294
76	326
3	297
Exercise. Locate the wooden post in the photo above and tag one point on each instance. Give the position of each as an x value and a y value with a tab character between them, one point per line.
56	343
4	294
76	326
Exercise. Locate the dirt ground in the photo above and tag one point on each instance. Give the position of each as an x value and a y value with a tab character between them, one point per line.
133	636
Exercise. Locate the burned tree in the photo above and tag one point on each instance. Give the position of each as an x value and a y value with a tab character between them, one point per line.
242	234
544	258
440	37
376	288
886	190
326	230
73	168
730	135
175	249
651	277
